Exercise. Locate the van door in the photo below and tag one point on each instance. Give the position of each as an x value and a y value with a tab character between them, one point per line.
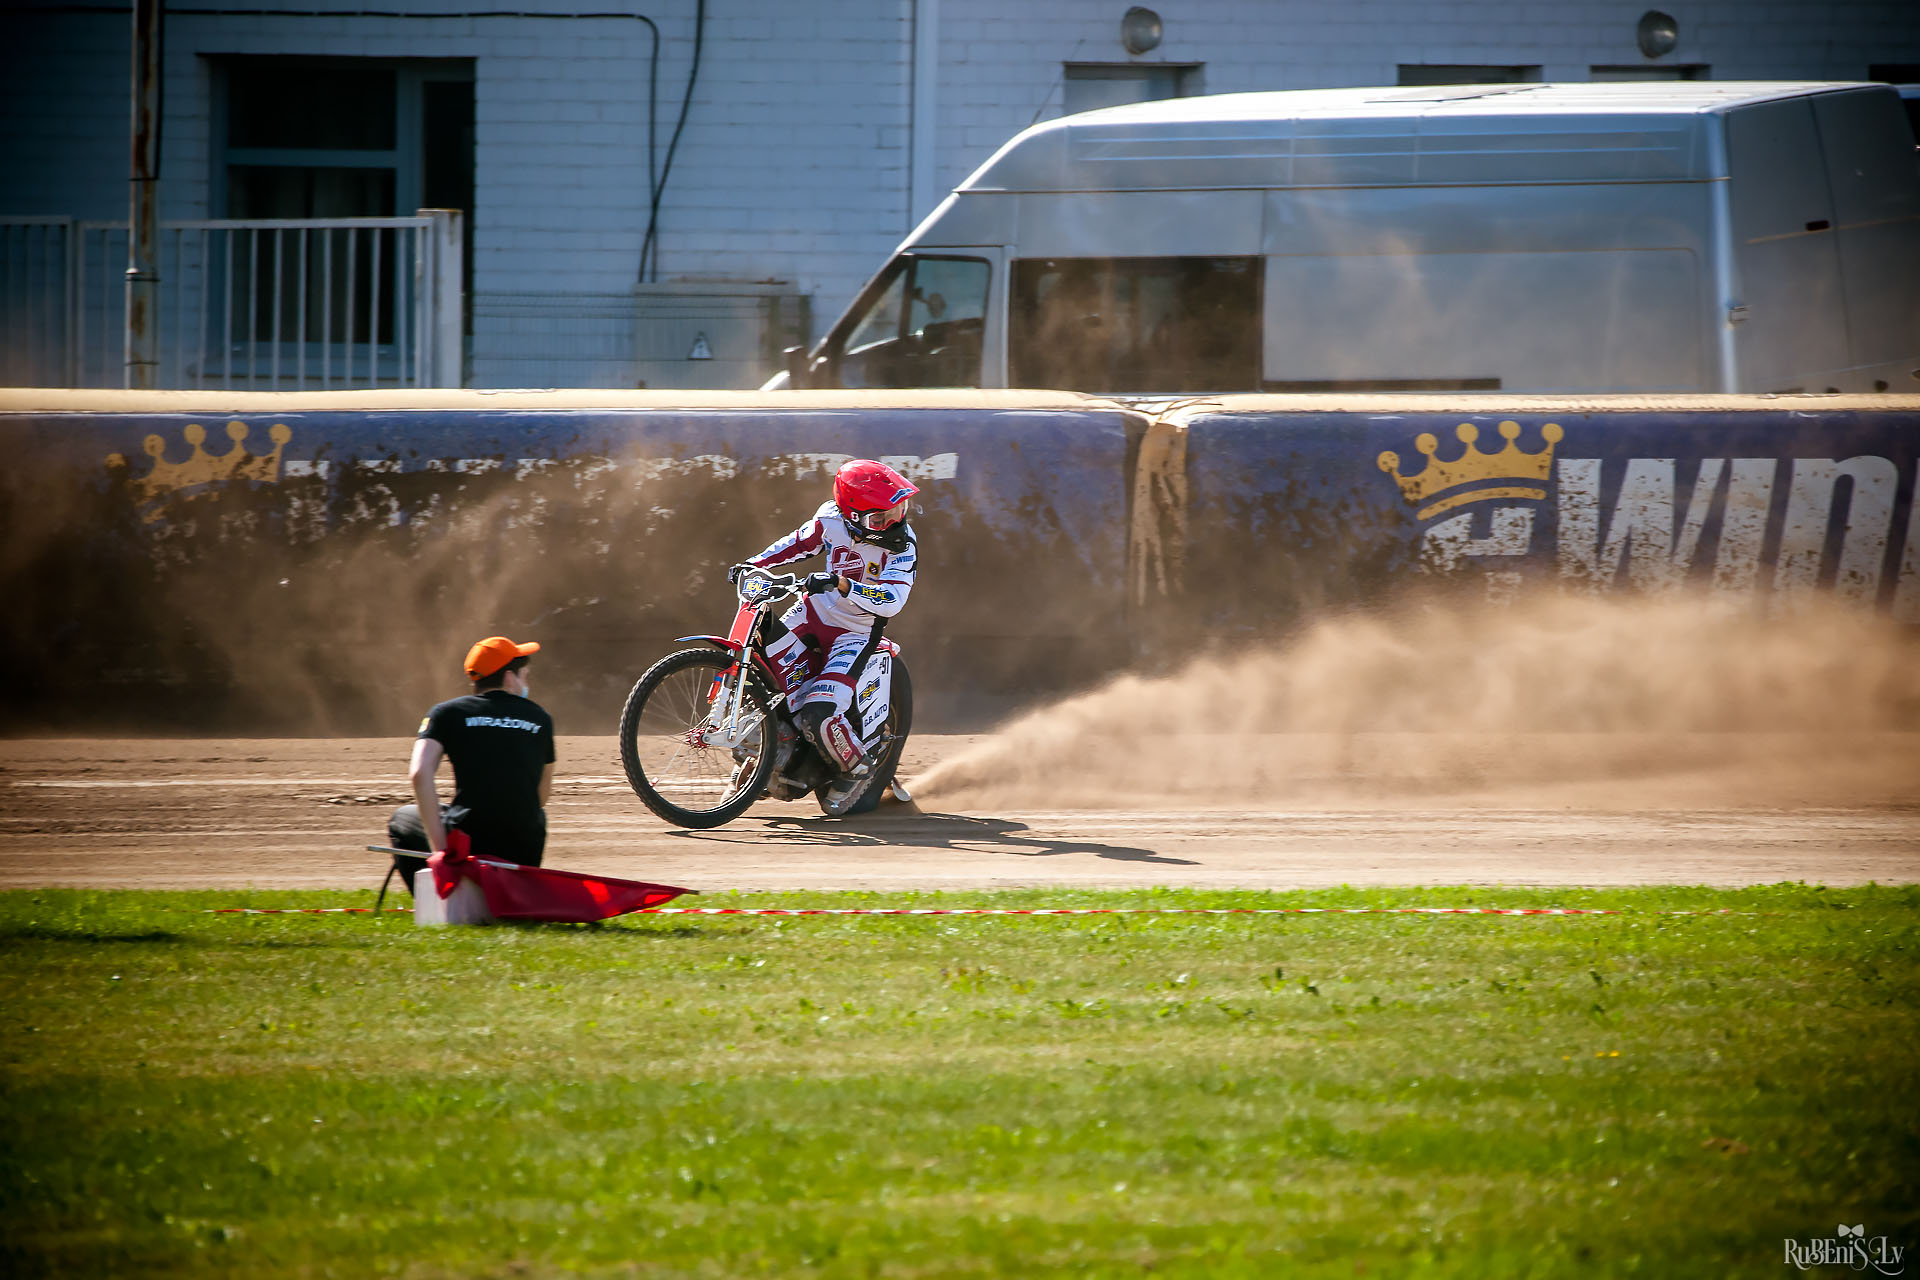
920	323
1875	181
1792	335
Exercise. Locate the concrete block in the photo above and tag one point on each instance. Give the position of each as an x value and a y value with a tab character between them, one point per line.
466	905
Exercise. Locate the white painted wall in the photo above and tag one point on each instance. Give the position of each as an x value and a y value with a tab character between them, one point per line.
796	159
1001	69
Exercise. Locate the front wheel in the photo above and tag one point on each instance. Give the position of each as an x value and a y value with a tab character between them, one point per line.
682	759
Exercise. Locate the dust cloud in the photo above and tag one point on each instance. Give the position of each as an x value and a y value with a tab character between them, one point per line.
339	602
309	608
1574	701
361	628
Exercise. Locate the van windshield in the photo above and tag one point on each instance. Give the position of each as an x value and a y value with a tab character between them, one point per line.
1135	324
918	325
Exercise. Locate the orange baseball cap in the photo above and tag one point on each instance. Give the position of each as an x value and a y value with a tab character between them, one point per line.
494	653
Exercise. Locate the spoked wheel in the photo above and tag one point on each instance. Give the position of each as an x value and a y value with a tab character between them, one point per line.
682	760
899	724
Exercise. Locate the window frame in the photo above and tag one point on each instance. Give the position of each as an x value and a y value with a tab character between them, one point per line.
832	351
1634	73
406	159
1434	75
1188	78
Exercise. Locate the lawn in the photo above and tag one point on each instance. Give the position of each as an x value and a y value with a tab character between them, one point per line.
1643	1093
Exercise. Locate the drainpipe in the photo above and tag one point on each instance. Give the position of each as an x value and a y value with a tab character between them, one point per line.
926	66
143	227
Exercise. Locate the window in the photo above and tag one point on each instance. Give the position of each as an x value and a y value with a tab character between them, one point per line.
1176	325
1679	71
342	138
1090	85
918	325
1425	73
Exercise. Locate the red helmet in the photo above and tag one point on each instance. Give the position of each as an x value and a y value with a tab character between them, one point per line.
873	497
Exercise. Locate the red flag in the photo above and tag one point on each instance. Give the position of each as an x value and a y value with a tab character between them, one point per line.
515	892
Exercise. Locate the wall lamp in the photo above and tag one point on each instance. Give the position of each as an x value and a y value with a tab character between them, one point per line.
1140	30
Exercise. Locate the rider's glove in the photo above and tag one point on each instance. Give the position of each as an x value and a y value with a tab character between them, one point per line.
819	584
733	574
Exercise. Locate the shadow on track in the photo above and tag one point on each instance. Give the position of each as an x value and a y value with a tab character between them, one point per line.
914	829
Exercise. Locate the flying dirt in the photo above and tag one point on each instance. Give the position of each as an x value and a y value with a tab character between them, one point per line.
1604	703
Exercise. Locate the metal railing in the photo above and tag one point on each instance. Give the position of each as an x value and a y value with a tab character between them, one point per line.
252	304
38	302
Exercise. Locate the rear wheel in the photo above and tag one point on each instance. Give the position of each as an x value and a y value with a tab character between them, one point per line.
675	748
899	724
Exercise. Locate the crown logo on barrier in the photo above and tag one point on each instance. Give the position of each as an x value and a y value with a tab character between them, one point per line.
201	467
1438	484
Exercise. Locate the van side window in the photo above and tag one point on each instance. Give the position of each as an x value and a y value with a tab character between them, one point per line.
1135	324
919	324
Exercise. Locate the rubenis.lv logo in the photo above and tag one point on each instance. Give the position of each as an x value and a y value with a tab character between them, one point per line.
1849	1247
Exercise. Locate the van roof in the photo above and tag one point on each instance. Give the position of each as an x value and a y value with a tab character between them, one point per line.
1394	136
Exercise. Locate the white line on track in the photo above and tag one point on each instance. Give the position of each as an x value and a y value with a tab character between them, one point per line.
77	783
302	781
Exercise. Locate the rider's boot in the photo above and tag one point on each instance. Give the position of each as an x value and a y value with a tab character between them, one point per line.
832	733
840	793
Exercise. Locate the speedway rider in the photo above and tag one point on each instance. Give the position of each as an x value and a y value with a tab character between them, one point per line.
870	563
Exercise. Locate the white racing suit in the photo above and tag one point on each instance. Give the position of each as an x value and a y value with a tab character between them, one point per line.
840	698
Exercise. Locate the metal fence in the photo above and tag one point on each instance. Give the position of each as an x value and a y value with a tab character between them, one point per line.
263	305
38	289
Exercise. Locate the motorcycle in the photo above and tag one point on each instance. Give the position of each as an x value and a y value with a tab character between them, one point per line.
707	731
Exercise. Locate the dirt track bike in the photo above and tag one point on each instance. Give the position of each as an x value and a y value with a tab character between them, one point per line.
706	732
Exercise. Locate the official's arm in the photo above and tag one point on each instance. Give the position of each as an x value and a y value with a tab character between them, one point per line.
426	795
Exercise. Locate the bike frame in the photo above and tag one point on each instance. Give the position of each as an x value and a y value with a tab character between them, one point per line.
739	642
730	686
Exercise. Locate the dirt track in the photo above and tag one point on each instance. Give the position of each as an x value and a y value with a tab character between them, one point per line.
284	813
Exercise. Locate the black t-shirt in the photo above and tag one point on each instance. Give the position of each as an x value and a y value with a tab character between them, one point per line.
498	743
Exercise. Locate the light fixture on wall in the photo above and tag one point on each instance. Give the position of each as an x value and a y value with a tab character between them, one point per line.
1140	31
1656	34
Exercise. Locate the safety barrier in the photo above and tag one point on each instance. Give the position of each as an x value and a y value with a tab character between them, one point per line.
1266	508
312	563
317	562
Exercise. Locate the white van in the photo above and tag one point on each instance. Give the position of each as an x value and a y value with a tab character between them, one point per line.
1623	237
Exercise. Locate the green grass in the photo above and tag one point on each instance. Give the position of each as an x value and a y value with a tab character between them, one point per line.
1640	1094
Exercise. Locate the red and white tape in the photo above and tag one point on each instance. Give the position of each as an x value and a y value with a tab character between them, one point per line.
298	911
1166	911
1046	911
1122	911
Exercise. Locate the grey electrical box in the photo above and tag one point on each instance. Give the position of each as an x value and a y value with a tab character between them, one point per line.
552	340
721	335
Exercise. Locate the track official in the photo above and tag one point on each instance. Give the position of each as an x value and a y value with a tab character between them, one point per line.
501	745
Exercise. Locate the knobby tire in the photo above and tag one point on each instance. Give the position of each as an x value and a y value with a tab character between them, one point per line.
653	692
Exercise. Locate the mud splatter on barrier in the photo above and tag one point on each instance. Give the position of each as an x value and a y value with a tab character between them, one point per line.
1618	702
